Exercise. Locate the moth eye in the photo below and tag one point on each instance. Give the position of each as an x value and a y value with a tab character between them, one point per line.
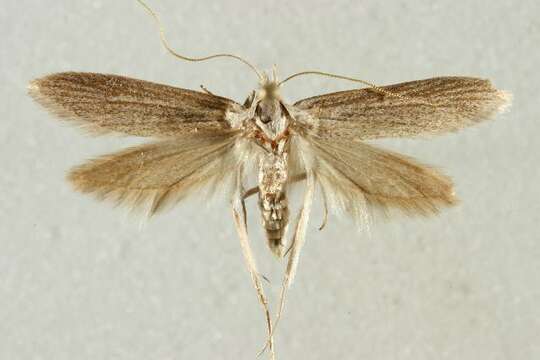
265	119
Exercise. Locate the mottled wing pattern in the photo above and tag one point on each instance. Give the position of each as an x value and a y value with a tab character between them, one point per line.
111	103
356	176
159	174
426	107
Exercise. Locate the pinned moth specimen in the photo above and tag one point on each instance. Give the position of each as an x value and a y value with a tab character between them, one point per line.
203	140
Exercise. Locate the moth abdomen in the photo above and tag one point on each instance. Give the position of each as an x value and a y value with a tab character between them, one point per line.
275	218
273	202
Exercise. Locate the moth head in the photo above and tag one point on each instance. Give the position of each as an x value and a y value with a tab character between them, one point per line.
269	90
269	86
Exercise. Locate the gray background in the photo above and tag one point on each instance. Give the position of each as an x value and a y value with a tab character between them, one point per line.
82	280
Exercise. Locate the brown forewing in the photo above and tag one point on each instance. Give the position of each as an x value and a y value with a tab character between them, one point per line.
426	107
110	103
355	175
158	174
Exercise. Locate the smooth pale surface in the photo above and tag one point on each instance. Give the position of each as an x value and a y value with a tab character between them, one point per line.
81	280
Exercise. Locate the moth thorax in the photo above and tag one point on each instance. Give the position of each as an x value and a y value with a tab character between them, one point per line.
271	117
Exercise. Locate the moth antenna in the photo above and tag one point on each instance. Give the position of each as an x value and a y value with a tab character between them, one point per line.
187	58
371	85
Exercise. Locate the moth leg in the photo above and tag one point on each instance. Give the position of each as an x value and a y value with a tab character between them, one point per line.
325	216
297	178
244	212
239	215
250	192
206	90
255	190
296	247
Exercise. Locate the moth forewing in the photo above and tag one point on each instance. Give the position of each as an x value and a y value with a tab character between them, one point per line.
101	103
423	107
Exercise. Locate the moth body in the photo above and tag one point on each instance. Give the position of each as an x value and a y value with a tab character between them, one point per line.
271	134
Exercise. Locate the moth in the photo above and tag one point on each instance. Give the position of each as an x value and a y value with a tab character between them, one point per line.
206	141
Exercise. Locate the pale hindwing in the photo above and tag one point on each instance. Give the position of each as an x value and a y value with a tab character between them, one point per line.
156	175
356	177
110	103
427	107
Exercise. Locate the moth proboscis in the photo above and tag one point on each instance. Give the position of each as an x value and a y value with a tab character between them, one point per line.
204	140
